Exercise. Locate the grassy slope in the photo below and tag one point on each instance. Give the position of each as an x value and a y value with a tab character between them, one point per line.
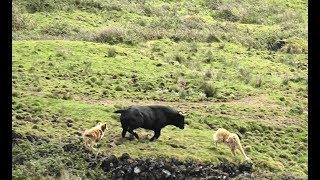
61	87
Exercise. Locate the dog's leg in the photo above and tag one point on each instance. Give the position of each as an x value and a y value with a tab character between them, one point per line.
85	143
233	151
93	144
88	144
156	135
97	154
133	133
242	151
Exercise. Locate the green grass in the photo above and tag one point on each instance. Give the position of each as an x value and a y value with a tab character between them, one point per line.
74	64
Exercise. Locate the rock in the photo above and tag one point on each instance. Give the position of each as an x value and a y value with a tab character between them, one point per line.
166	172
245	167
125	167
182	168
69	124
119	142
245	175
136	170
111	145
124	156
78	133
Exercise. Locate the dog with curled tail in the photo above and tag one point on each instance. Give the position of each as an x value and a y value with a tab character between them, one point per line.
231	139
94	135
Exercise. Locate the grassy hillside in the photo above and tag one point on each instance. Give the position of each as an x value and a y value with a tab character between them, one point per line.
241	65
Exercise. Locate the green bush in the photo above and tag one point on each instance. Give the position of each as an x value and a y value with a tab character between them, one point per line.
112	35
179	58
208	89
33	6
245	75
59	28
213	4
19	20
193	22
208	57
296	110
228	13
112	52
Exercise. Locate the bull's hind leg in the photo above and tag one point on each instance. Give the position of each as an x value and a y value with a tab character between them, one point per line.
133	133
156	135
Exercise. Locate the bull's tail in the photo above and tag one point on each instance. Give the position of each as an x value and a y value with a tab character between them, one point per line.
119	111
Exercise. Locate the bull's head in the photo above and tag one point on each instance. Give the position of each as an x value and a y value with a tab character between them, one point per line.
180	120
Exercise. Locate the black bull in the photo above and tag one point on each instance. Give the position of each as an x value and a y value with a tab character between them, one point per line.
149	117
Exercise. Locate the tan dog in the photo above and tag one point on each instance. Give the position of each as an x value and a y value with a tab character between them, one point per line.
94	135
231	139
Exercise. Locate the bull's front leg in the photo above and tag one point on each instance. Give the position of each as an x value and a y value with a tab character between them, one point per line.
156	135
133	133
123	134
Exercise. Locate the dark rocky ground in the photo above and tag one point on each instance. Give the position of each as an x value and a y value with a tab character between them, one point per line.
125	167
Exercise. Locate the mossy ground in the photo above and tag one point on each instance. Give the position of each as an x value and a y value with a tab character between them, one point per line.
69	74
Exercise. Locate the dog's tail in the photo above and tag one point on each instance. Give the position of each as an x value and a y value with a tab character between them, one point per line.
119	111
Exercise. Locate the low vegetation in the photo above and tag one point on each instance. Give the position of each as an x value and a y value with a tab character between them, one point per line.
240	65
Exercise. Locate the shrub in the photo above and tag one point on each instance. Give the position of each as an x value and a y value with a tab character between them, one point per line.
119	88
193	47
208	89
91	5
110	35
146	86
275	45
208	57
228	12
208	74
212	38
295	46
112	52
152	33
257	82
245	75
188	35
58	28
221	46
296	110
33	6
213	5
193	22
183	94
179	58
19	21
167	22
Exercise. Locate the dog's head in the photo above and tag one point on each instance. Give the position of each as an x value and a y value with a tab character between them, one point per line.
232	138
103	126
